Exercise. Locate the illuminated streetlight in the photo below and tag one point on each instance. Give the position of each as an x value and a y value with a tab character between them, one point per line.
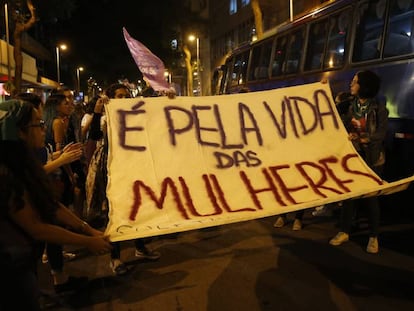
58	48
192	38
253	34
167	76
6	16
78	70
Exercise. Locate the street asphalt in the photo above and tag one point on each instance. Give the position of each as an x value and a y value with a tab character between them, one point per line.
252	266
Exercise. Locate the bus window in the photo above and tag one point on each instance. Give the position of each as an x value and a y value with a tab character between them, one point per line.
267	54
369	30
294	51
238	75
227	76
255	61
218	80
316	45
259	62
337	38
399	35
234	70
279	56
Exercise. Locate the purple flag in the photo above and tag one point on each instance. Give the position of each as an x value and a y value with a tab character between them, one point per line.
151	67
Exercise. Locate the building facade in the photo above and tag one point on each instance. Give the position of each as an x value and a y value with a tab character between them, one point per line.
31	79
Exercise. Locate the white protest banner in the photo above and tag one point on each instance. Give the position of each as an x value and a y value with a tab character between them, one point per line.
193	162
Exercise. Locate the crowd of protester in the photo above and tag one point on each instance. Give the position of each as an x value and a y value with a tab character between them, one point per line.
47	148
53	177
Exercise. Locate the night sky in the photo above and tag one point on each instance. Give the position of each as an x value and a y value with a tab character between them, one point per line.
94	36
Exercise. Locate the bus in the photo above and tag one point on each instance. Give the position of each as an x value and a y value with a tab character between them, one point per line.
333	42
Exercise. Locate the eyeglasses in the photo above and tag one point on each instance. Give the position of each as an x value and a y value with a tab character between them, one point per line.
41	124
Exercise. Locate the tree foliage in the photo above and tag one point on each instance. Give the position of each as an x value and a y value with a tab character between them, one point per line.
183	21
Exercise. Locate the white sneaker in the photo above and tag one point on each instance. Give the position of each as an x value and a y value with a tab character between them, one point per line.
372	246
68	256
340	238
118	267
297	225
145	253
319	210
279	223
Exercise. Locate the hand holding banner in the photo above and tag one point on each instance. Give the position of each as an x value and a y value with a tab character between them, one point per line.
183	164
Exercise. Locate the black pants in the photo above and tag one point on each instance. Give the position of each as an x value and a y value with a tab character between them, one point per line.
348	211
55	256
116	248
374	212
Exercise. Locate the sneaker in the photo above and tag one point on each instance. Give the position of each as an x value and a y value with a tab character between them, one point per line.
279	223
67	256
118	267
319	211
297	225
340	238
145	253
72	284
44	258
372	246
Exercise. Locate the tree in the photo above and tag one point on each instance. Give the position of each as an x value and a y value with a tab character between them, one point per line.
258	18
21	24
183	21
188	67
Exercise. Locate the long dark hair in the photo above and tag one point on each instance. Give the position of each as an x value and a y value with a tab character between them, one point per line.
369	83
110	91
21	172
50	113
35	99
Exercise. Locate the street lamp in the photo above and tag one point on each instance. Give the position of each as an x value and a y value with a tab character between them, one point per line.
78	70
6	16
192	38
58	48
167	76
